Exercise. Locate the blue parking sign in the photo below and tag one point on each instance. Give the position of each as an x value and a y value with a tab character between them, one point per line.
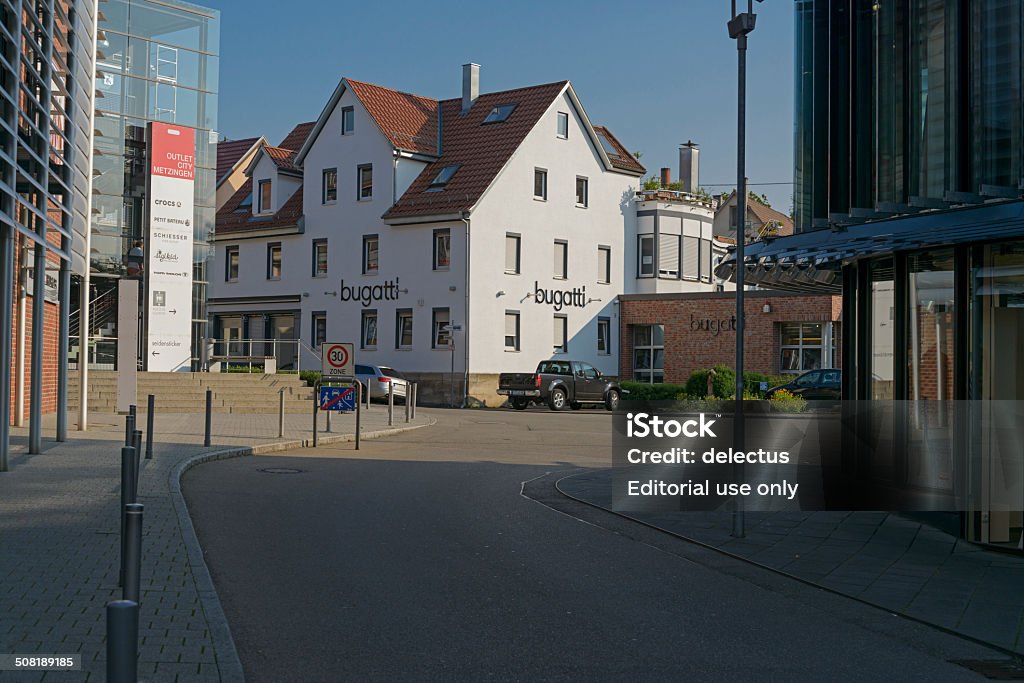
337	398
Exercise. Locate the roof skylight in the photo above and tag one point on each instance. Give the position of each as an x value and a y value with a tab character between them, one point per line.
442	178
609	148
501	112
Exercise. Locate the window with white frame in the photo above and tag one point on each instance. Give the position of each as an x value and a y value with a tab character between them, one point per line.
806	346
403	328
604	264
442	249
563	125
691	258
348	120
561	334
274	261
561	271
330	185
604	336
371	261
645	256
440	326
705	260
230	264
319	329
368	329
582	191
668	257
512	262
265	187
649	353
319	258
511	330
540	184
364	176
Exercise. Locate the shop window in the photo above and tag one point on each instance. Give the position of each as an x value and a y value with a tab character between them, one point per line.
368	329
442	249
561	334
511	330
319	258
806	346
403	328
604	335
371	245
512	263
441	329
649	353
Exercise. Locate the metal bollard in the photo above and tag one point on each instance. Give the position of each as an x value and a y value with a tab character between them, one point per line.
391	403
129	427
280	414
329	419
137	445
132	551
415	389
369	392
316	414
122	641
408	397
358	388
209	419
128	492
150	410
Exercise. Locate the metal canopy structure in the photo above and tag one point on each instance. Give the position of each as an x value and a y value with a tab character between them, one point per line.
811	261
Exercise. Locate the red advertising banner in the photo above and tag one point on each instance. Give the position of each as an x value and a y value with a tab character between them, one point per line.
173	151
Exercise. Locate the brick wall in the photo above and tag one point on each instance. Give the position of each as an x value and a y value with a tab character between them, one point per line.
693	343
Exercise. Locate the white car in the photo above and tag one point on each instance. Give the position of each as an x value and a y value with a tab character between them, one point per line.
376	379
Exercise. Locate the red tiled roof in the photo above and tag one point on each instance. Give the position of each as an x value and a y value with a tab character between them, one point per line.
624	160
294	140
232	219
230	151
481	151
284	159
408	121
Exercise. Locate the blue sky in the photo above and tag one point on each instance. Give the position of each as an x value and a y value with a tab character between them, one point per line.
657	75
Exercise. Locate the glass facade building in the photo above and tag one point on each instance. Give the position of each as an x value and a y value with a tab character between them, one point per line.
909	200
156	61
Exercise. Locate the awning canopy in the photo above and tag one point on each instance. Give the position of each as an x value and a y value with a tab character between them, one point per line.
811	261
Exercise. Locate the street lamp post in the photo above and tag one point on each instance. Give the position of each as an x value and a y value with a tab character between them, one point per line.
739	26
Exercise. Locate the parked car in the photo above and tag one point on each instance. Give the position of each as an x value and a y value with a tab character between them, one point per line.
560	383
377	379
814	385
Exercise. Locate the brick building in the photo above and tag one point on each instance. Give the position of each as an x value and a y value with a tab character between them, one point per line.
666	337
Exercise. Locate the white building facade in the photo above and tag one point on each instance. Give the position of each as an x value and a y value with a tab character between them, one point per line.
451	240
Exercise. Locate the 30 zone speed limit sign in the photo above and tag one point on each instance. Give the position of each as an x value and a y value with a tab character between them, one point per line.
338	360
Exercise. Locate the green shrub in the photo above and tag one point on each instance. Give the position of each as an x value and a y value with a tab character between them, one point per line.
723	384
310	377
641	391
783	401
245	369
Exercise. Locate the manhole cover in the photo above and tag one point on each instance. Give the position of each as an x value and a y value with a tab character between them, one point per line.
995	669
280	470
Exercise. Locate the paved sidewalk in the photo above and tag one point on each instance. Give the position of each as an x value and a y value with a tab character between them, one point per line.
60	545
883	559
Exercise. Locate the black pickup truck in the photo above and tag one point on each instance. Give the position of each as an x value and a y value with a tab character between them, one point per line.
560	383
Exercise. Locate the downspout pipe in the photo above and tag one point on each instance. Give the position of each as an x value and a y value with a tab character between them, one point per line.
465	315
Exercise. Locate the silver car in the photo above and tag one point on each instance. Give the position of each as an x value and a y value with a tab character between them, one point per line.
376	379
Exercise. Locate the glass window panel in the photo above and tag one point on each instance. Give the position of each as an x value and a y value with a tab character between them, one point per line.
642	335
642	359
881	342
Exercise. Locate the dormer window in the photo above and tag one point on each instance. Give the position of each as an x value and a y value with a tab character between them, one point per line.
265	187
500	113
442	178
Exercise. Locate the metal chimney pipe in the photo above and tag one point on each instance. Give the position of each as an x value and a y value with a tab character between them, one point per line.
470	85
689	166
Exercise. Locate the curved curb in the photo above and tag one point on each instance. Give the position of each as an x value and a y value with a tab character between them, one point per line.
959	634
229	666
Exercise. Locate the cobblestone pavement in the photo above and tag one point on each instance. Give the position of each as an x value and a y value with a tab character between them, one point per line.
60	543
887	560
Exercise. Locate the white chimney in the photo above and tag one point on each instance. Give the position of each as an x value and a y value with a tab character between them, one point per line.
689	166
470	85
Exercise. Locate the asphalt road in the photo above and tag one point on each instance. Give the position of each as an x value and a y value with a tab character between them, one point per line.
420	558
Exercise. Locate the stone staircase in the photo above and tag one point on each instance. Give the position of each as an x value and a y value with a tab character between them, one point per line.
185	392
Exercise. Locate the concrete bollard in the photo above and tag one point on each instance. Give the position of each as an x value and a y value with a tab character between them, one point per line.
150	416
209	417
122	641
132	551
391	403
